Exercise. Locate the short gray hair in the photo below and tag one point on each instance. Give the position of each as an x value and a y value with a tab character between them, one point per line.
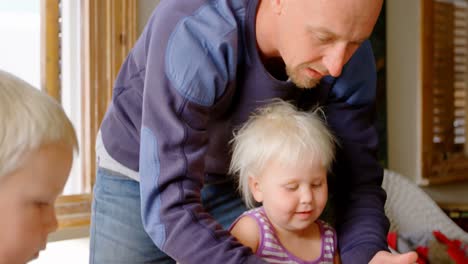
281	132
30	118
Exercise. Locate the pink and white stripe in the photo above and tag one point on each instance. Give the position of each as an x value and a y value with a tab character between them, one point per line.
272	251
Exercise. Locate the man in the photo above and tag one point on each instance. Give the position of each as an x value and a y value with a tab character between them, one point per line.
196	73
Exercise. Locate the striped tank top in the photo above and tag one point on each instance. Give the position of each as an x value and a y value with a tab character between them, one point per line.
272	251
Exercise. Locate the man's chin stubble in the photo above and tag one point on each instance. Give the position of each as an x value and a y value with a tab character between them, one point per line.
309	84
304	83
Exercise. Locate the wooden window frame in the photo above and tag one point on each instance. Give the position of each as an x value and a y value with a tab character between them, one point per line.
109	30
437	167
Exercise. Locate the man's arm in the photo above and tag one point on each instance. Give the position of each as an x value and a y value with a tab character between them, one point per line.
361	222
186	72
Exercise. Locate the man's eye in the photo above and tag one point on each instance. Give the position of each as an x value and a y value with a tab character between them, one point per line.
316	185
323	39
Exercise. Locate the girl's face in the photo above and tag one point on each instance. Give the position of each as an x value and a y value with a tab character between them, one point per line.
28	195
293	196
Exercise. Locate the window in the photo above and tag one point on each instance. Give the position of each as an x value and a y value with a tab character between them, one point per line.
72	50
21	49
60	72
445	87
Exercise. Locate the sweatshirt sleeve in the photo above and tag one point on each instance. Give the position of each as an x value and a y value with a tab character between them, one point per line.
361	222
185	75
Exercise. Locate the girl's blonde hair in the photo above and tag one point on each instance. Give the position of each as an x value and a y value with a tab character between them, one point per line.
30	119
280	132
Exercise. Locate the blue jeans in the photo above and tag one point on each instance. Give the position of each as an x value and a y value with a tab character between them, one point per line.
117	233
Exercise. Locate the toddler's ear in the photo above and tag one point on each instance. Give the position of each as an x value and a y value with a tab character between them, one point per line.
256	188
278	6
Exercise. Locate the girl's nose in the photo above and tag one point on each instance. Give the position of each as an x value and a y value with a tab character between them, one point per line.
50	219
306	196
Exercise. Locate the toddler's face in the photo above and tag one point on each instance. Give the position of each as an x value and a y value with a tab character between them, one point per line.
293	196
27	198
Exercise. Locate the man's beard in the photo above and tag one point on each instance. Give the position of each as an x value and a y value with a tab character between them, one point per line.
301	80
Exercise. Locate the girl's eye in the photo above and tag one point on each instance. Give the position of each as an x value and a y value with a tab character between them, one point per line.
291	187
41	204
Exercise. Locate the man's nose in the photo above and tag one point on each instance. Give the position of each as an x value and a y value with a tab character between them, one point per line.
335	59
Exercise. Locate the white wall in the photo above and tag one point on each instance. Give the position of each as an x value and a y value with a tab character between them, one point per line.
404	89
145	8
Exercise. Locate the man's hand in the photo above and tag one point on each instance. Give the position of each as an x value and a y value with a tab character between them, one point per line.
384	257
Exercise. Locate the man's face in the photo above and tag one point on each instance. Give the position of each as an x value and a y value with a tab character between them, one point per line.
317	37
27	196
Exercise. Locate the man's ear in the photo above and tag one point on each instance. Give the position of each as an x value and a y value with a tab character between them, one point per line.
255	188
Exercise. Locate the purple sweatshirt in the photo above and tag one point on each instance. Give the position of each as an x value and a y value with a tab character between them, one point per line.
194	75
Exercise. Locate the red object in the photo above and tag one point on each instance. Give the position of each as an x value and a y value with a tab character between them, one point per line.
423	253
392	239
455	249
